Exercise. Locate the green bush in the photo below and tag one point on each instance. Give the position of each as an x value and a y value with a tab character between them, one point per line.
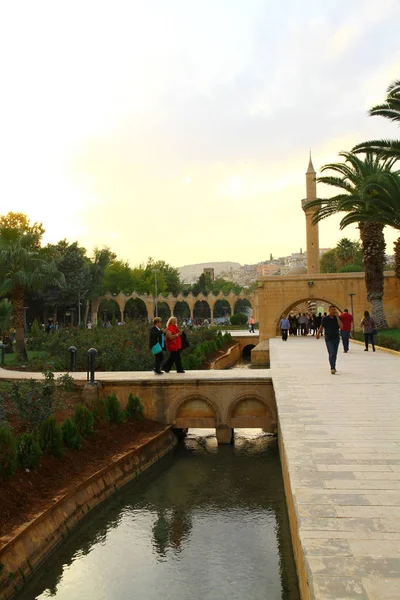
83	419
71	436
134	408
29	451
8	454
99	410
115	414
239	319
50	437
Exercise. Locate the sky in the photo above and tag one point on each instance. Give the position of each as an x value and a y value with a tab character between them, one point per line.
181	129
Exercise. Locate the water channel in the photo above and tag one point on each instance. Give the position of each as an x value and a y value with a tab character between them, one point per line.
206	522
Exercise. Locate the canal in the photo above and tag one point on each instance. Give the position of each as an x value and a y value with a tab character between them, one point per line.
206	523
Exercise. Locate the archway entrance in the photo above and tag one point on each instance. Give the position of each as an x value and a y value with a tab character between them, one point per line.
182	310
308	307
243	306
222	311
136	309
109	311
202	310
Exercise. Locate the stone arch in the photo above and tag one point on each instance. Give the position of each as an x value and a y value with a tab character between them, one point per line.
181	309
164	310
194	410
246	352
251	410
201	310
108	309
221	308
136	308
241	304
305	301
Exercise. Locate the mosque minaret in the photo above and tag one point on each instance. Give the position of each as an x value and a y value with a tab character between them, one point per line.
311	230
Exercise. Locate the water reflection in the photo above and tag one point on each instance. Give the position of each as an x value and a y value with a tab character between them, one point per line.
206	522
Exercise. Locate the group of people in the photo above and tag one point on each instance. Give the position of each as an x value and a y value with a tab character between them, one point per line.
172	339
334	326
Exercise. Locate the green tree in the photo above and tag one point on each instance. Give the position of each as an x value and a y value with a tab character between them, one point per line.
5	315
22	269
168	278
390	109
118	277
361	184
328	262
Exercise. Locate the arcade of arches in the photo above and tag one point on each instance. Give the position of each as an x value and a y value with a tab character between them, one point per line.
135	306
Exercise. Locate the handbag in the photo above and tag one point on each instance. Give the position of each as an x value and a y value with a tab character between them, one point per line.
184	340
156	349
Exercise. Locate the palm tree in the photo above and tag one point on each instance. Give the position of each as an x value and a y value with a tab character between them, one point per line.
365	189
22	269
390	109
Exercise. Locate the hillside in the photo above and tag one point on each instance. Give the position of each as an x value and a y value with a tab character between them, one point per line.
190	273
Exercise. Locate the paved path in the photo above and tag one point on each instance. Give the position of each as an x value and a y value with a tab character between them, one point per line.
341	437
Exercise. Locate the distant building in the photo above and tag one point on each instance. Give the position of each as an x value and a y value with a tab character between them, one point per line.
210	272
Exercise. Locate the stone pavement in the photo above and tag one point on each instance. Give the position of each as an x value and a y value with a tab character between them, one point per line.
340	448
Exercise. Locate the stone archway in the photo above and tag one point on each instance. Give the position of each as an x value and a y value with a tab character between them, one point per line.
182	310
195	411
307	305
108	310
242	305
201	310
222	309
136	309
164	310
251	411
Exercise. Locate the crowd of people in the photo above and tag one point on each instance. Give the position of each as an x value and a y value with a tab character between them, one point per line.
333	325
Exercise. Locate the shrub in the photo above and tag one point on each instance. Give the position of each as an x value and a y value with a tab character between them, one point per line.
239	319
50	437
115	414
65	382
134	408
84	420
99	410
29	451
8	454
71	436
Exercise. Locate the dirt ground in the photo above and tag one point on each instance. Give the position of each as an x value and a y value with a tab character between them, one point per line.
29	493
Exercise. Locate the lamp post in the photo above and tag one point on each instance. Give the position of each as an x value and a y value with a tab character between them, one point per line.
352	309
155	271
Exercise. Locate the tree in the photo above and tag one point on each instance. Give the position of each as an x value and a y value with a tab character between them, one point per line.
5	315
168	278
390	109
328	262
22	269
363	187
118	277
15	225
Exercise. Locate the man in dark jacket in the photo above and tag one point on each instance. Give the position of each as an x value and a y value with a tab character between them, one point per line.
157	338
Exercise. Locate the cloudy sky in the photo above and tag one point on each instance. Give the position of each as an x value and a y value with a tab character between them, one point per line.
180	129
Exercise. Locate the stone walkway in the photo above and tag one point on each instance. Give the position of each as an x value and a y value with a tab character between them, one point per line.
340	435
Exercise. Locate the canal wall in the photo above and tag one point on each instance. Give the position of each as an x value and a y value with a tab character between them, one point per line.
32	544
230	358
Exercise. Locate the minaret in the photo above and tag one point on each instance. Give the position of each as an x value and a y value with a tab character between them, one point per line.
311	230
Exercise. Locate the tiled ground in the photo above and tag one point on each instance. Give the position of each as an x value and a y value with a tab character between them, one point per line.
341	435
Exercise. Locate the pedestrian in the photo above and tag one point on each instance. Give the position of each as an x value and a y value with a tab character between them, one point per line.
331	325
347	320
251	324
285	326
89	325
173	342
156	344
369	329
303	324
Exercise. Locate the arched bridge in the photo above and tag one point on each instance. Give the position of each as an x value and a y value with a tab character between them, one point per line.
203	399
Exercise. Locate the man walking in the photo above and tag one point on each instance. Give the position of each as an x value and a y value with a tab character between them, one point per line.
332	325
347	320
284	325
251	324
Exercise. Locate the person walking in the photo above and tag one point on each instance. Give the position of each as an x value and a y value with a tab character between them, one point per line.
173	342
303	324
251	324
156	344
347	320
331	325
369	329
285	326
